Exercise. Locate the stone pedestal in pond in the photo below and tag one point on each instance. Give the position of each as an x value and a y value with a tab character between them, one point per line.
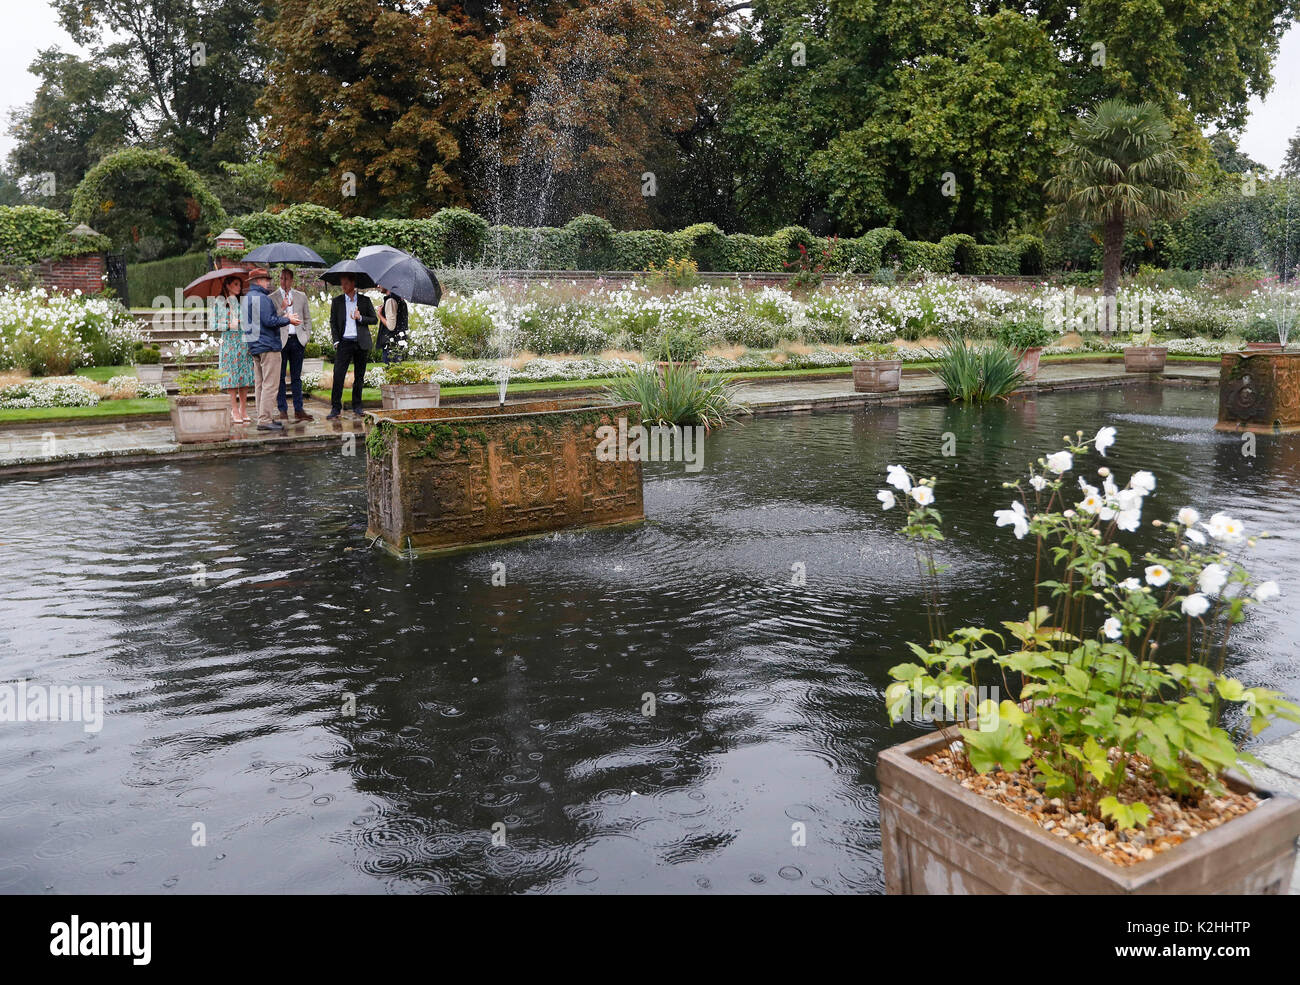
1259	391
450	477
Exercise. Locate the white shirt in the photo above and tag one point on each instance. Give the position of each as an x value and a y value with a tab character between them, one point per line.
350	325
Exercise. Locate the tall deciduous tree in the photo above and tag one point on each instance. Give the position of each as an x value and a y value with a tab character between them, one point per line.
193	68
1120	166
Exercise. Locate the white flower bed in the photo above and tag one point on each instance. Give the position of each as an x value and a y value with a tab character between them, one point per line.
37	322
57	391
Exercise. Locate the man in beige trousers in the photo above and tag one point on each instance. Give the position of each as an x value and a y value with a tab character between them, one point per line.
262	332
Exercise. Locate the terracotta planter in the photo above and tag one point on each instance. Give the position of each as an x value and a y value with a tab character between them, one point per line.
877	375
941	839
402	396
1259	391
663	365
149	372
1145	359
1263	347
200	417
1029	360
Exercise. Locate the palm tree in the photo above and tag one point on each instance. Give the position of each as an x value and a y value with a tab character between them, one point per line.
1120	165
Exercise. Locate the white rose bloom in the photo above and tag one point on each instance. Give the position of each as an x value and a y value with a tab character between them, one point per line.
1111	627
886	498
899	479
1061	461
1157	574
1196	605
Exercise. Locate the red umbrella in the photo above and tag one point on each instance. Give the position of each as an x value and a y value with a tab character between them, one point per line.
209	285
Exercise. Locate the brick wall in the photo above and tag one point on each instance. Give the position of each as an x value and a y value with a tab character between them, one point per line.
81	273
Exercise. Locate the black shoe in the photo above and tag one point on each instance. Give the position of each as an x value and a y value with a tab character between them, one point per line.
332	416
273	426
360	415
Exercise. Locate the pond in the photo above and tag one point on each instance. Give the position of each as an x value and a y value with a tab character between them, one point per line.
230	608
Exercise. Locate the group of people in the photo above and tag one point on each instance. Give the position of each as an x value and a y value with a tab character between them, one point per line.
264	336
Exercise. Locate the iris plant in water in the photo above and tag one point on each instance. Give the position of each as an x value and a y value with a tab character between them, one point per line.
1098	696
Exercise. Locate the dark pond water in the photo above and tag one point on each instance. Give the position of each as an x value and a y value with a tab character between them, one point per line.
522	704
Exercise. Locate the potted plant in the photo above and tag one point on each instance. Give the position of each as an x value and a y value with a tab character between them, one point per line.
1143	357
1111	768
677	346
313	363
877	368
408	384
1029	338
148	363
200	412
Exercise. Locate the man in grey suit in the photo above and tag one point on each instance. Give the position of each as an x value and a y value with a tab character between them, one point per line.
293	341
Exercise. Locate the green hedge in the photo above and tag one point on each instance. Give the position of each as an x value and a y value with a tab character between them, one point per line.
29	233
160	278
587	242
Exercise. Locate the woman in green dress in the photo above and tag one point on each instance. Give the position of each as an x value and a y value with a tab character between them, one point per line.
235	363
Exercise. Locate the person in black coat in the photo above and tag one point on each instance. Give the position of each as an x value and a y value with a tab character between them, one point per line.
351	315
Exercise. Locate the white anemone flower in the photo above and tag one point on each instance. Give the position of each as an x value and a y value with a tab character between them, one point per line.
1143	481
1196	605
1131	585
1061	461
887	501
1188	517
1212	579
923	495
899	479
1128	520
1111	627
1224	528
1038	482
1195	536
1157	574
1091	503
1104	439
1014	518
1266	591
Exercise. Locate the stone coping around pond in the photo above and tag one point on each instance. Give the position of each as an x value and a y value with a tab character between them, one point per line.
107	444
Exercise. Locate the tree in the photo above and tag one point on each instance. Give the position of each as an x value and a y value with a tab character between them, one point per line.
1291	163
1120	166
190	70
80	112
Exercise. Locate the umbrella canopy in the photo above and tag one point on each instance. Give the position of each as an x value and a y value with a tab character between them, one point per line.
286	253
209	285
362	278
401	273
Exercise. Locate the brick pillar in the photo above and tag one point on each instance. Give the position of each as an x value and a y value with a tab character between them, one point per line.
84	273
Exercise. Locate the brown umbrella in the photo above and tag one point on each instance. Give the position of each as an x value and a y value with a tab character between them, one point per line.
209	285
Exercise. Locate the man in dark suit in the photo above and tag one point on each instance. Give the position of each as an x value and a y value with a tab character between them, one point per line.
351	315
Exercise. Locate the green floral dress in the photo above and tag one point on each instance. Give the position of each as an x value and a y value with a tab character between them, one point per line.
235	363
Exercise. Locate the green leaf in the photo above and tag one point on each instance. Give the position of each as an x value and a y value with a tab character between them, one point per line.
1125	816
1004	747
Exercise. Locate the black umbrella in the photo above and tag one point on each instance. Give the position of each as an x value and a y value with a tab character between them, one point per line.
362	278
397	271
286	253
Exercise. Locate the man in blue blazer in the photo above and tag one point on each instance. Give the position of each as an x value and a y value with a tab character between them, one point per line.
262	332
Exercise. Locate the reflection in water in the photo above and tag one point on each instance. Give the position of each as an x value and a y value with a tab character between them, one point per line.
231	608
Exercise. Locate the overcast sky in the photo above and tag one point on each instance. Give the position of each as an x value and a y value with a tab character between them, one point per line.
31	25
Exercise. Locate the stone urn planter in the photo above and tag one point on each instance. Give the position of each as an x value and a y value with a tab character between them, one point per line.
941	839
1263	347
200	417
403	396
149	372
664	364
1029	359
877	375
1145	359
